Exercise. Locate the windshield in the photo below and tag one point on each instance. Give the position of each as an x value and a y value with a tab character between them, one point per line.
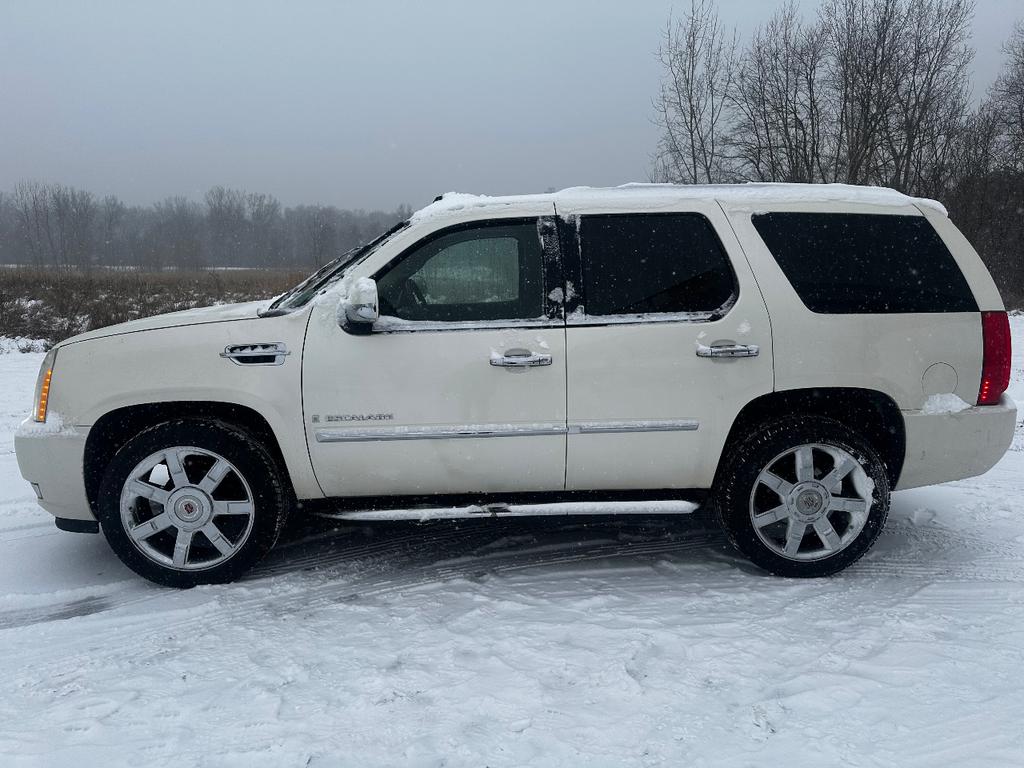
328	273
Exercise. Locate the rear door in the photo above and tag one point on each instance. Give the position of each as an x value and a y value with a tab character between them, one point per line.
667	338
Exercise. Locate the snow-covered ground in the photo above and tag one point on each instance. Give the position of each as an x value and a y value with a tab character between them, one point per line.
643	641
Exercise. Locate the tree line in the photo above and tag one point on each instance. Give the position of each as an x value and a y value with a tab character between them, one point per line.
862	92
54	225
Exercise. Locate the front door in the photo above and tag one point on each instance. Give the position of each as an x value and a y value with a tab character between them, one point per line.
460	388
667	339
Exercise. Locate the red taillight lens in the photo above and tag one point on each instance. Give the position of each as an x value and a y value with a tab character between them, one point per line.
995	368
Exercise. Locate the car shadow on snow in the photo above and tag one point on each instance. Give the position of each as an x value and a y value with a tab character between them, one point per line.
912	545
445	549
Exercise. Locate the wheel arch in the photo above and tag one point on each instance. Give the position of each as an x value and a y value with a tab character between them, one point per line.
114	428
869	412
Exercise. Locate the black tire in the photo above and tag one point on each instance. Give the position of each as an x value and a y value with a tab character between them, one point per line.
271	500
737	481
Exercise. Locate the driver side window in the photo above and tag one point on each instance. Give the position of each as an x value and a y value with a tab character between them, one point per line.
490	271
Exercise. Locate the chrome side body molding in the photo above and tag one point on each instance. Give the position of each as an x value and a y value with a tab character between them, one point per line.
604	427
361	434
445	432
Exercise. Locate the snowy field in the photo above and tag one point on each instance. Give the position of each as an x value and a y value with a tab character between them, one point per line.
642	642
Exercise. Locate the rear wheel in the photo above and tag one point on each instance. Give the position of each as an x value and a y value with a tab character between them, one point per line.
803	496
189	502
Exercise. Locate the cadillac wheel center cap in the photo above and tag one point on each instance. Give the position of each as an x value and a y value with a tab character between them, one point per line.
808	503
188	509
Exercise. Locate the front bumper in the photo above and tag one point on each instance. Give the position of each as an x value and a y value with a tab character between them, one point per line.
54	463
951	446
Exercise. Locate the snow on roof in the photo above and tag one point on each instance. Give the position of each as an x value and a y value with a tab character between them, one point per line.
636	193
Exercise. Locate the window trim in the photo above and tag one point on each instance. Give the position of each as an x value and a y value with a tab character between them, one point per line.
550	275
572	255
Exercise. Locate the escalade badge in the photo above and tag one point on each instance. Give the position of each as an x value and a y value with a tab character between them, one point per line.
333	418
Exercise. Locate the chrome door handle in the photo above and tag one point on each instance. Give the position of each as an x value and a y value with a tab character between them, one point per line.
520	358
728	350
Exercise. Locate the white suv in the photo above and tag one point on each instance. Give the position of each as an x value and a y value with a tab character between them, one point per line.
786	354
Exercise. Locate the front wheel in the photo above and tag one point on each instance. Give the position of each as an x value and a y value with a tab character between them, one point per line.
190	502
803	496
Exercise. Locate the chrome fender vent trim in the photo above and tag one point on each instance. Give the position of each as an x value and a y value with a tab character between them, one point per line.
267	353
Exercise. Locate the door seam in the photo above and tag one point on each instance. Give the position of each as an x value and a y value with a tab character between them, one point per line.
753	274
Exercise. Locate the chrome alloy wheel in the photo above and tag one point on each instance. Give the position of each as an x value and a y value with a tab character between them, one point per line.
187	508
810	502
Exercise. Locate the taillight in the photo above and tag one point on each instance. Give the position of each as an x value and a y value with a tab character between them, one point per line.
995	367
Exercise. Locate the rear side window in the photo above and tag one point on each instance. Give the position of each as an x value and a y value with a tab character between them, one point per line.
653	263
846	263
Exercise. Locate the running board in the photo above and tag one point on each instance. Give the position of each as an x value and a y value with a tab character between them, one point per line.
556	509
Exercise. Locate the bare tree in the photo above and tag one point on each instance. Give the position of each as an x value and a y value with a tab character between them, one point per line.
265	227
864	36
32	204
928	71
317	234
73	212
780	122
226	225
985	194
8	229
868	92
111	226
1007	97
699	60
59	226
175	238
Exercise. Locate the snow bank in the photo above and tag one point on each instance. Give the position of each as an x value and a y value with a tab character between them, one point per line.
9	344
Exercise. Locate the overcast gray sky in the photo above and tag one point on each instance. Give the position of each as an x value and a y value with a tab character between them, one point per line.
366	103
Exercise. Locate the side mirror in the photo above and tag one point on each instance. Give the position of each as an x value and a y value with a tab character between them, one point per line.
358	311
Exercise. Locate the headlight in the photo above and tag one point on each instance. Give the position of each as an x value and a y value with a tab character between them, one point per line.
43	383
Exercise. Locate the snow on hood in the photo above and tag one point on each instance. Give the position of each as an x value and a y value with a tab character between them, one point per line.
199	316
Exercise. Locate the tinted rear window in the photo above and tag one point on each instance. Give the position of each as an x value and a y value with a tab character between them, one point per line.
652	263
844	263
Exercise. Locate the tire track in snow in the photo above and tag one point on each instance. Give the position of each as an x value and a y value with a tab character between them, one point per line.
345	576
106	599
86	606
928	551
341	566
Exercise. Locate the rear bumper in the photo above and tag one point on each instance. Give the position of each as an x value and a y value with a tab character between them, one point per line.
951	446
53	463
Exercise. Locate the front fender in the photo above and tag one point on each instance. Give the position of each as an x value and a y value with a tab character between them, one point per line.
97	376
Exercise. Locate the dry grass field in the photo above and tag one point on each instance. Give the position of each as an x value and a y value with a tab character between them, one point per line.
52	305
